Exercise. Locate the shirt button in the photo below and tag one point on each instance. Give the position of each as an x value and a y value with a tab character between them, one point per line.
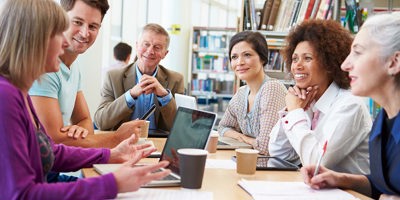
286	122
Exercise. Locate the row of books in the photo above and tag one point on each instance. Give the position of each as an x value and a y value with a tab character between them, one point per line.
214	40
374	108
281	15
353	19
212	85
206	62
275	61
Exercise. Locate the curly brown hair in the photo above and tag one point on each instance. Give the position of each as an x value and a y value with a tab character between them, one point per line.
330	41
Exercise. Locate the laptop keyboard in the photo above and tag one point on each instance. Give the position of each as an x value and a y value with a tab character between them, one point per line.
169	177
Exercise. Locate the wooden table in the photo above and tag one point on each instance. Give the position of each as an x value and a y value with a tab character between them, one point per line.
223	182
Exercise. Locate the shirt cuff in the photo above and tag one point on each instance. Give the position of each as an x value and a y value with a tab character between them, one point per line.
292	118
165	99
222	133
282	113
130	101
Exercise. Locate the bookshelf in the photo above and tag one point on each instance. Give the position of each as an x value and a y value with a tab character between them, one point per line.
275	18
288	13
210	74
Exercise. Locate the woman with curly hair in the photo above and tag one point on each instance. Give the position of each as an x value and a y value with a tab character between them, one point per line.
320	107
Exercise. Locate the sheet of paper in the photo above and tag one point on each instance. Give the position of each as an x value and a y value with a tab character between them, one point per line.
220	164
290	190
163	194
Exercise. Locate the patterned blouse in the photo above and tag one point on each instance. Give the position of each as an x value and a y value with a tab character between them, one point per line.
262	117
46	152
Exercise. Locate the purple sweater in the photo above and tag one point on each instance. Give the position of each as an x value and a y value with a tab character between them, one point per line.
21	169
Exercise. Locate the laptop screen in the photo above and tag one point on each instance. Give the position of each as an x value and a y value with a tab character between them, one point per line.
191	129
185	101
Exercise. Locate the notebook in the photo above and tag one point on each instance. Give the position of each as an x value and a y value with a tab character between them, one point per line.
273	163
185	101
158	133
191	129
230	143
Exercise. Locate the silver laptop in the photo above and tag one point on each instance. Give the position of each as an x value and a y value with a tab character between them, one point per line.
230	143
191	129
185	101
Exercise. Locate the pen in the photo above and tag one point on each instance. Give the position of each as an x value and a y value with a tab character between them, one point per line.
320	159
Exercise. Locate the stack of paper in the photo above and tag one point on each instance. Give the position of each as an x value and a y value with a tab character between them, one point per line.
163	194
290	190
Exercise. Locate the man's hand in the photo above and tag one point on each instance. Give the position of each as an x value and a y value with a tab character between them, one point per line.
75	131
136	91
131	128
147	85
150	84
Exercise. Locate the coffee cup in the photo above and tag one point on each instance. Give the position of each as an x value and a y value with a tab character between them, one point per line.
246	161
212	142
144	130
191	167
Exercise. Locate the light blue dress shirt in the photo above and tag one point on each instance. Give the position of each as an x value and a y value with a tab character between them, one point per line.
145	101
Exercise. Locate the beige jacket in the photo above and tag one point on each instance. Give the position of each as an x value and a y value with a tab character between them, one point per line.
113	109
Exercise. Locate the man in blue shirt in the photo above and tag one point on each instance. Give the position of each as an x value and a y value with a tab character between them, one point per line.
129	92
58	97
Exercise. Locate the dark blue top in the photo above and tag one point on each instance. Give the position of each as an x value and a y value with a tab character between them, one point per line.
384	149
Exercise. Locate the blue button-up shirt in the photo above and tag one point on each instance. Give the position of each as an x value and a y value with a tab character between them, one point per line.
385	157
143	102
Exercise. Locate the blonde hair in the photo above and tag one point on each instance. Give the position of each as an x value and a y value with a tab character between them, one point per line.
26	28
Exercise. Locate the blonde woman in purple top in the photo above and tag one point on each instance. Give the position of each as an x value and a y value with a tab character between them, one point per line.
253	111
31	40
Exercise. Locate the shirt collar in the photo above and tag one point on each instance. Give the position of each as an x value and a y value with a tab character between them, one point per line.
139	74
65	71
327	99
379	120
396	127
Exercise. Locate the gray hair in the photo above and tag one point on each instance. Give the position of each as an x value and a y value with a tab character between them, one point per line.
384	30
158	29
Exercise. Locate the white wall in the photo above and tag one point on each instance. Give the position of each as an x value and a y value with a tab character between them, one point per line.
90	65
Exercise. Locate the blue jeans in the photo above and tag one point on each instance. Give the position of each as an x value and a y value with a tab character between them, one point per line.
54	177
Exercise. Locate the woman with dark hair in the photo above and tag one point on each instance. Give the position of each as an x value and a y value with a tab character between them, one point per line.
252	112
320	108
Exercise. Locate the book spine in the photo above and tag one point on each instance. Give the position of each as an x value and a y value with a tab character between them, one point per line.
266	14
315	9
309	9
274	13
